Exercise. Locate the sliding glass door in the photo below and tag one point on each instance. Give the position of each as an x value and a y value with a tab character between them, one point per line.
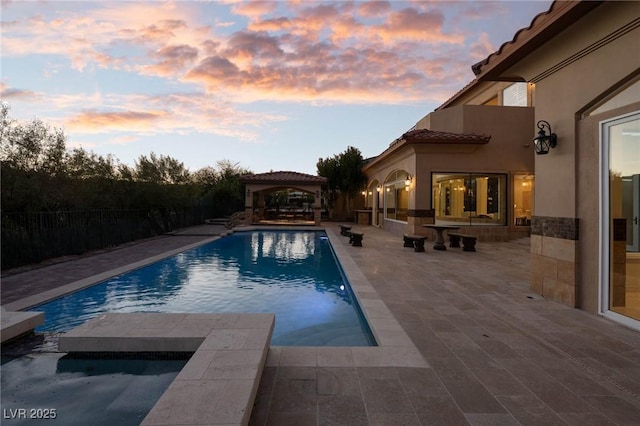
621	236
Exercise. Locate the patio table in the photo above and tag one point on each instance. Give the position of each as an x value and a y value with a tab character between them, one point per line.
439	243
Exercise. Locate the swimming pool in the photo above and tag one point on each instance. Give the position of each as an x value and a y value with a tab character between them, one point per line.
294	274
58	389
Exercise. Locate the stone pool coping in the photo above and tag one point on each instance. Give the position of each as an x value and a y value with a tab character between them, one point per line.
395	348
217	386
14	324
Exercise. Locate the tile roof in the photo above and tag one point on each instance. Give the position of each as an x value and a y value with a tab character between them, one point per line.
433	136
429	137
543	27
287	177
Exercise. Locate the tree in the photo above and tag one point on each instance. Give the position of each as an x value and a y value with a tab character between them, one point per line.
34	146
344	176
161	169
226	196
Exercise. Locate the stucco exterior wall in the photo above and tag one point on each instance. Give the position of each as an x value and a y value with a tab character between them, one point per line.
572	73
560	93
509	152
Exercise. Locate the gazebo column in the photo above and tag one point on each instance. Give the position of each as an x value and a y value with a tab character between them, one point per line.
260	205
317	207
248	205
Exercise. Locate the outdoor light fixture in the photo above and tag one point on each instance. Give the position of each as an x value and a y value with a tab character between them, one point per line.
543	142
379	188
407	181
248	192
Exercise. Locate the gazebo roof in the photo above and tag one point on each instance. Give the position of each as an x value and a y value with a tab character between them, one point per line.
283	177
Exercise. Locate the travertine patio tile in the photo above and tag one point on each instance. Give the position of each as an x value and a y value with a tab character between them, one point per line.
225	339
298	356
197	365
385	396
480	419
338	381
273	356
529	410
234	364
341	410
439	410
387	419
393	338
334	357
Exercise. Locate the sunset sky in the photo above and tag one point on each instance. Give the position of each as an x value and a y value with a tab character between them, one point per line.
270	85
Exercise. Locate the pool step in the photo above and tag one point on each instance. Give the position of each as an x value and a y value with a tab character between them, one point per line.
15	324
219	383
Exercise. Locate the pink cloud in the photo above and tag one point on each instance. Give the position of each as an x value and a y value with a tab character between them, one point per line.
171	60
412	24
257	44
374	8
254	9
92	121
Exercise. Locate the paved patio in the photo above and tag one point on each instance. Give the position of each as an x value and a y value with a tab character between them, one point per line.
496	354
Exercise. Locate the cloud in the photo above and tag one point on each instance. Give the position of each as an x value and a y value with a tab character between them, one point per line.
243	52
254	9
98	122
374	8
11	94
412	24
171	60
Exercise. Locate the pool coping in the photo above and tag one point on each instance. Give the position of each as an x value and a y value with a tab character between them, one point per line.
219	383
395	348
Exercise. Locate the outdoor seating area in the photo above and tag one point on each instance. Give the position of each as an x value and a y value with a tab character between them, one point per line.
414	241
468	241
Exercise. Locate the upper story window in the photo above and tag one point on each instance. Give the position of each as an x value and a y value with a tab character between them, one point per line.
515	95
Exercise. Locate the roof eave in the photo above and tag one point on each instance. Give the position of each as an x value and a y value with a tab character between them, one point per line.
544	26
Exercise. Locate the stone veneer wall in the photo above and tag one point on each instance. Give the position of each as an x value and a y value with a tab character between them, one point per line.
554	258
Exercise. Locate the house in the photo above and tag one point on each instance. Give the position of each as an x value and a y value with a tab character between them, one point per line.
571	81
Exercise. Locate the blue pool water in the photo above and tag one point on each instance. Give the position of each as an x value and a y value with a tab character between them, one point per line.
293	274
51	388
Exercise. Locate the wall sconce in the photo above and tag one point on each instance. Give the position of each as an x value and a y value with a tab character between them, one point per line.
407	181
364	193
379	188
542	142
248	192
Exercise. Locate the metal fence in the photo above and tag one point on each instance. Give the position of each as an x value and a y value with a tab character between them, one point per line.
33	237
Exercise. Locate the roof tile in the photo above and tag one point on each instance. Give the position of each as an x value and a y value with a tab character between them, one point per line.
283	177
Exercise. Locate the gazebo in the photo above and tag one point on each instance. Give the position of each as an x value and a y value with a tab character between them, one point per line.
262	183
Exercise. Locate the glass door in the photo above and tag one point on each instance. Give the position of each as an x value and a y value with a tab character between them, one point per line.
631	210
621	155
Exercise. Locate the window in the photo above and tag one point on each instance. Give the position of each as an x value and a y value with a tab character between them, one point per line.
515	95
396	196
522	199
469	198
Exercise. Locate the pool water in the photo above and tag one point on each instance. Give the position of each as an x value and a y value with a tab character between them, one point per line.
293	274
52	388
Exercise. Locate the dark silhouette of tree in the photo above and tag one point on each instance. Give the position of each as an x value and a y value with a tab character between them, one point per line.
344	176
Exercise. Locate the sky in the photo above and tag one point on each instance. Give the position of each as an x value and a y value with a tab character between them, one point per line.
267	85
